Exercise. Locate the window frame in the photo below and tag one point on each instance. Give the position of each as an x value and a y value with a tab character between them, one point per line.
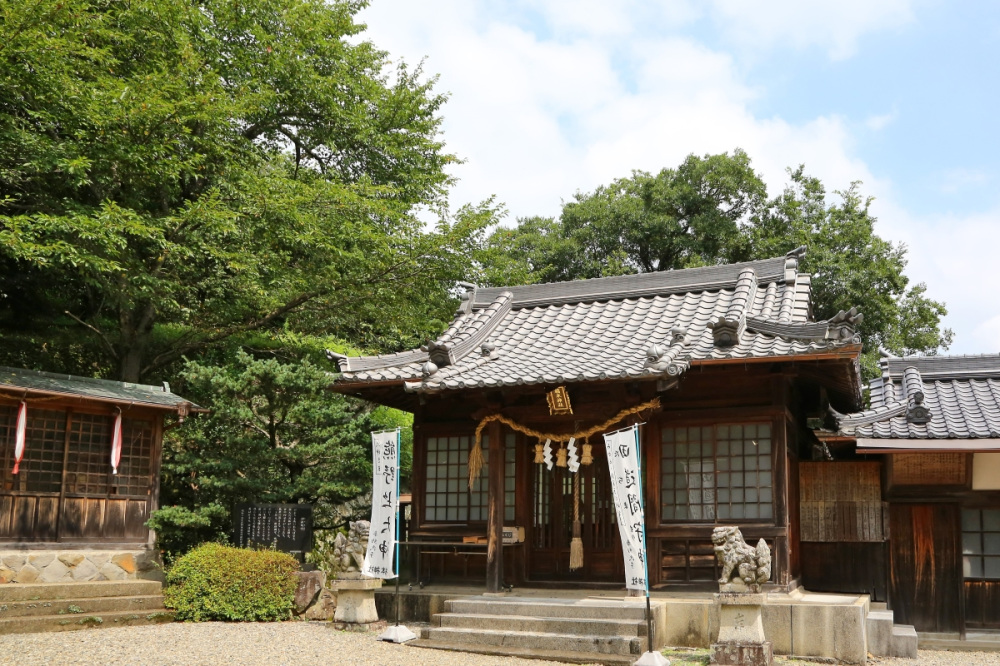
984	553
714	427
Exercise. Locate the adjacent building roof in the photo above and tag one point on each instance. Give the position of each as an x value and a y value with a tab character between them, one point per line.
929	397
636	326
16	383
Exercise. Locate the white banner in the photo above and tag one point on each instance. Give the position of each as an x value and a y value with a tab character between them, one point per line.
385	504
626	488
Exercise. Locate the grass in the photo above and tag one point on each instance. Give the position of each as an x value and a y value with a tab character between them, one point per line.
703	657
688	656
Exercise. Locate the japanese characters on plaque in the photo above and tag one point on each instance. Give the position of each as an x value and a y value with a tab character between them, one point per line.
285	527
623	462
385	501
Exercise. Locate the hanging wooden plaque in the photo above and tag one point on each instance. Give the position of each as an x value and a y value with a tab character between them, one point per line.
558	400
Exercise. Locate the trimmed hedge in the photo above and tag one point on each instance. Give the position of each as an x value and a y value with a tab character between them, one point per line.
217	582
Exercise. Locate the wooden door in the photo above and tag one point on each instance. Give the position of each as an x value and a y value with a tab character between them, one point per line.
552	523
925	576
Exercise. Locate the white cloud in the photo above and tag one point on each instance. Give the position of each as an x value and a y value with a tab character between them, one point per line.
879	122
542	114
833	25
953	181
953	264
539	119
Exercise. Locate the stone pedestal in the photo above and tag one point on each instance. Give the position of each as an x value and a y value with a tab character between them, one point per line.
741	630
356	604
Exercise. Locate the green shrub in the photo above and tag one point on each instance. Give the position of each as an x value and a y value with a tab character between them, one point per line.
217	582
179	529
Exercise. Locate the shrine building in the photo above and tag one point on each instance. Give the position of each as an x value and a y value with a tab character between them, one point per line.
720	364
86	475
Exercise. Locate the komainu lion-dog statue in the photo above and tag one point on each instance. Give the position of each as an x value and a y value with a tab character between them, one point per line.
751	565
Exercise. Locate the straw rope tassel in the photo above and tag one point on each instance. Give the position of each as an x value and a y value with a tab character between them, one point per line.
476	456
476	452
576	545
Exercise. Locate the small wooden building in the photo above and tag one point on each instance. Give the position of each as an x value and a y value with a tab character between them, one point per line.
722	365
925	457
65	493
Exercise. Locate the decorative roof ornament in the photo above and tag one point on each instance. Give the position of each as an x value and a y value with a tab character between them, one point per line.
916	412
727	329
913	385
666	358
792	264
428	368
468	297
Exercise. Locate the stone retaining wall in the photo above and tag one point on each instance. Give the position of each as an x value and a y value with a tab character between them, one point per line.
68	566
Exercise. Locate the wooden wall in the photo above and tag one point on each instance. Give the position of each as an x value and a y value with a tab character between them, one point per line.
65	491
748	393
843	528
926	572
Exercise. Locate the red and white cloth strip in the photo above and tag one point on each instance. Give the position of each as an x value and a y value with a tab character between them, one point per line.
116	444
22	425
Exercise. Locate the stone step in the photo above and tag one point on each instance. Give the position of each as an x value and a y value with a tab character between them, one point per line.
87	605
904	641
50	591
71	622
596	609
532	640
527	653
551	625
878	630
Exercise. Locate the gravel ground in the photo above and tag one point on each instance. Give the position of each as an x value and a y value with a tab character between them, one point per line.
298	643
274	643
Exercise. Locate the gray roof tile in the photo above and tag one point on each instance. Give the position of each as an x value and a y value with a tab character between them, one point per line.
961	392
15	382
603	328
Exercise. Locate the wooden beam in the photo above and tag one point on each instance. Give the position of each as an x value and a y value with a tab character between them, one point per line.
494	523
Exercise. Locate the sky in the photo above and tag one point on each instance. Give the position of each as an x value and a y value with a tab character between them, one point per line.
554	97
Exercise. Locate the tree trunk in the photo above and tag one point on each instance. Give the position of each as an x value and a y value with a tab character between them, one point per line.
130	365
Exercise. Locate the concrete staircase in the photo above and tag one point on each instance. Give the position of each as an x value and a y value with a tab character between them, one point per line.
886	638
36	607
606	631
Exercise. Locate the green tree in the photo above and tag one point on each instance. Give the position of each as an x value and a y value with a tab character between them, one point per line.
173	174
851	267
715	210
274	434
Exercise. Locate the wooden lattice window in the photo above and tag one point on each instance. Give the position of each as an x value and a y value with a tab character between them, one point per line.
88	464
44	444
721	472
8	421
447	495
135	467
981	543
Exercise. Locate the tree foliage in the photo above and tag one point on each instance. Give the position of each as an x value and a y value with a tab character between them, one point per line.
274	434
715	210
173	174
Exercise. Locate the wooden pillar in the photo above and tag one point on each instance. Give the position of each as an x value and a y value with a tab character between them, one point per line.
782	498
494	524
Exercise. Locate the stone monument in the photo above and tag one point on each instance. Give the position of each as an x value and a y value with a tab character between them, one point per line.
355	592
741	631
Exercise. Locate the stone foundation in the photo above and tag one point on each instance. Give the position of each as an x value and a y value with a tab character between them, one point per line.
76	566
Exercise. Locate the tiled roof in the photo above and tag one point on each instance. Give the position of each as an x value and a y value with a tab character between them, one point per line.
634	326
16	383
930	397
